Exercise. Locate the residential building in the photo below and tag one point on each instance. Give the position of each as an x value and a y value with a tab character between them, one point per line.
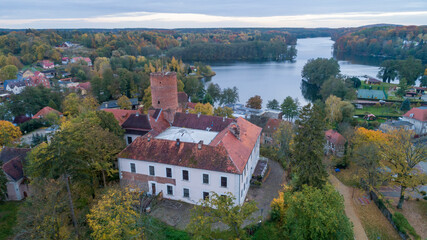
80	59
46	64
195	156
121	114
269	130
45	111
335	143
12	160
113	104
38	79
396	125
418	117
16	87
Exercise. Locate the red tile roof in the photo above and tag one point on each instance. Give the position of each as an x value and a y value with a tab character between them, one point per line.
334	137
120	114
11	159
44	111
272	125
85	85
226	152
419	114
191	105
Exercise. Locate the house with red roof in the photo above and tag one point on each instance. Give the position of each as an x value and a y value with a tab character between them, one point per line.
418	117
12	161
120	114
269	129
38	79
45	111
46	64
335	143
193	157
79	59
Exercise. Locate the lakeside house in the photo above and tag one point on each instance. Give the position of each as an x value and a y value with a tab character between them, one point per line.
335	143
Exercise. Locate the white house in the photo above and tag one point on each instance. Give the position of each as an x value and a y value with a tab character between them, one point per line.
16	87
418	117
197	155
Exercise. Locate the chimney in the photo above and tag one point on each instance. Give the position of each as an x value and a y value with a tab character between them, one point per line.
137	113
223	119
186	111
198	114
148	137
177	141
199	145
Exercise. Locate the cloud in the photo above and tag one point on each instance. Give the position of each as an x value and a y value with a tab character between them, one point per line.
188	20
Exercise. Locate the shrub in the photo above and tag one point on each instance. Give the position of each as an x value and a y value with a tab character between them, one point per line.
403	225
32	125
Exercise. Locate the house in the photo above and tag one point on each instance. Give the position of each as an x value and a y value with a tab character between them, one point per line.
27	73
418	117
335	143
38	79
373	81
395	125
12	160
120	115
113	104
420	90
84	88
45	111
137	124
50	73
269	129
46	64
16	87
81	59
195	156
65	60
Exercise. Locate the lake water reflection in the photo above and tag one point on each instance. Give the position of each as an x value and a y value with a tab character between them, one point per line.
276	80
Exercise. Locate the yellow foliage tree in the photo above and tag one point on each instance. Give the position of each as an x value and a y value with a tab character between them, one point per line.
114	216
8	133
124	103
205	109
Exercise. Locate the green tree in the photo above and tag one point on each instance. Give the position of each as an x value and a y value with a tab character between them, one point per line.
289	108
312	213
410	69
229	96
8	72
406	105
215	91
308	148
401	88
3	187
124	102
314	73
146	100
337	87
254	102
223	112
283	138
273	104
223	209
388	70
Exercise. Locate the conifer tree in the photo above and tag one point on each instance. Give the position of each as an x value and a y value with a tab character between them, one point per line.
308	150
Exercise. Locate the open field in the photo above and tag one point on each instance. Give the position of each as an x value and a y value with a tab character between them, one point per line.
380	111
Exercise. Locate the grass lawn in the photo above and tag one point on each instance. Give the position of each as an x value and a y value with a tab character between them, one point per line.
8	212
416	214
377	111
373	221
386	86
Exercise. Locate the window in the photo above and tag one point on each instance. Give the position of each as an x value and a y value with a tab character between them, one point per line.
186	192
132	167
158	102
205	178
170	190
152	170
185	175
224	182
129	140
168	172
205	195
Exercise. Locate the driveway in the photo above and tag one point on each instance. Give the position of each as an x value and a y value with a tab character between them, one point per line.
26	139
177	214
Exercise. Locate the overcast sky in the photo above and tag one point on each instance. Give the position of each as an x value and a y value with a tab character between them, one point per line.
213	13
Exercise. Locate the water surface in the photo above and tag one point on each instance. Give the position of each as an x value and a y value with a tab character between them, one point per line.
277	80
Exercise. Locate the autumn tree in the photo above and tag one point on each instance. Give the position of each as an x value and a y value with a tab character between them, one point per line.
146	100
311	213
273	104
289	108
115	217
205	109
308	148
8	72
283	139
8	133
124	102
223	209
337	110
254	102
401	156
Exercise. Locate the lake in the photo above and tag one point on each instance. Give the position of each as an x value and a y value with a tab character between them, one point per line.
277	80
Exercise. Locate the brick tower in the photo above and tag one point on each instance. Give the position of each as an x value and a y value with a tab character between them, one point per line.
164	93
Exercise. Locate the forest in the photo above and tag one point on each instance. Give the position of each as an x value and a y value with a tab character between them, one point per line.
395	42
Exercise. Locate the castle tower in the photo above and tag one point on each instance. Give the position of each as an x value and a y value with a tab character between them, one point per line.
164	92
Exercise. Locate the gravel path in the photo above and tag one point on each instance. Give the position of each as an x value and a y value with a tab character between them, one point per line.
359	232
